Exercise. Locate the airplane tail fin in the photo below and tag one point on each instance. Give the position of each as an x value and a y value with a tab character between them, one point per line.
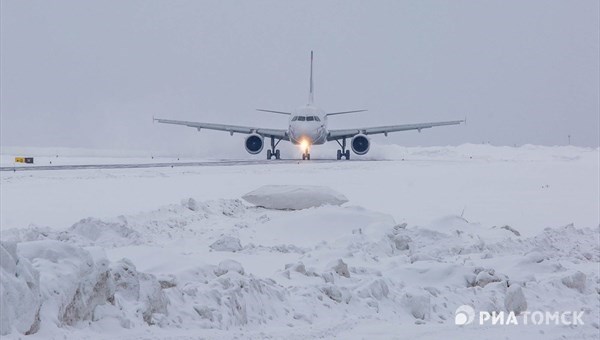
311	94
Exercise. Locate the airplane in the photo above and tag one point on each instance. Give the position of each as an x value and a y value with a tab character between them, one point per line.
308	126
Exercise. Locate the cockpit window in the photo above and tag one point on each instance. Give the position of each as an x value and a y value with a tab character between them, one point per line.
310	118
317	119
295	118
301	118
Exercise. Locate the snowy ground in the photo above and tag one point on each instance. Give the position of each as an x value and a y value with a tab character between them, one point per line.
175	253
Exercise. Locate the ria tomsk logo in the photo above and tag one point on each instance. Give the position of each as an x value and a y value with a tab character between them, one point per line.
464	315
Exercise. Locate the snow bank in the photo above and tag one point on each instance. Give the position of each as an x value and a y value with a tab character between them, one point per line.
138	297
47	285
103	233
224	296
221	266
487	152
19	291
227	243
73	282
294	197
515	300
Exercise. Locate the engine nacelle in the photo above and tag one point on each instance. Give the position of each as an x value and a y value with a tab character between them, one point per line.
254	143
360	144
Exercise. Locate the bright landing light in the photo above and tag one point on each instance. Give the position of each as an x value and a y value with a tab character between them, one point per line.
304	144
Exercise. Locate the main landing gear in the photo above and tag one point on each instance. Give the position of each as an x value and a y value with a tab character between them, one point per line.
274	152
343	152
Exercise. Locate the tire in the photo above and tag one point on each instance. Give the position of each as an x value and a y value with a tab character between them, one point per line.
339	154
308	157
269	154
277	154
347	154
303	156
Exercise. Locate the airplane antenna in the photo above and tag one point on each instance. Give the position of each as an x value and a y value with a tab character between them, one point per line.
311	95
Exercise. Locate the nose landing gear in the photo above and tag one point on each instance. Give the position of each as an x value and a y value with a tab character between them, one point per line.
306	155
343	152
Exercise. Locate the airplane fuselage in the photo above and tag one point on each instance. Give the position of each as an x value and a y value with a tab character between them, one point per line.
308	126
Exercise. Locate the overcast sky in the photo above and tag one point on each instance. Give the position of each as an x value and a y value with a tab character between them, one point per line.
93	73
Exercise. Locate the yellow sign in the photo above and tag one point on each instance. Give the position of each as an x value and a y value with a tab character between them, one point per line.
28	160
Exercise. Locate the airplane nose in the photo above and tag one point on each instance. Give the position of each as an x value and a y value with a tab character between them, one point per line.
309	133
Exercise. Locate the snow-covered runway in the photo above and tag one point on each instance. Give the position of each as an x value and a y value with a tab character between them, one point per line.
151	165
423	233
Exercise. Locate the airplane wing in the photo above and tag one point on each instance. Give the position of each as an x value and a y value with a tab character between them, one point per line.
347	133
276	133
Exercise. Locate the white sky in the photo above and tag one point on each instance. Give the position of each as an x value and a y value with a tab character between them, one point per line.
93	73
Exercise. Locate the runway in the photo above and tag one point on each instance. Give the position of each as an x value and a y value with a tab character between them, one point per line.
157	165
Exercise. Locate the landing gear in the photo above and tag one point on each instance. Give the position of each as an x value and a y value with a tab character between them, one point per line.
274	152
306	155
343	152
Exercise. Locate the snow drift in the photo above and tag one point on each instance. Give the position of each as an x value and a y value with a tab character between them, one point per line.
51	284
223	266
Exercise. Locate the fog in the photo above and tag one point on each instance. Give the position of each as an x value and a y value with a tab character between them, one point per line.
93	73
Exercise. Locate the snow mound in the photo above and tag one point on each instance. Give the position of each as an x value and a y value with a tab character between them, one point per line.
227	243
20	291
515	301
575	281
311	272
139	293
51	284
223	297
98	232
73	283
227	266
294	197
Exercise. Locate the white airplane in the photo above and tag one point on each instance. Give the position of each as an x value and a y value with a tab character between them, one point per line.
307	127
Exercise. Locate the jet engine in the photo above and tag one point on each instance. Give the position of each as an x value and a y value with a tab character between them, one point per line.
360	144
254	143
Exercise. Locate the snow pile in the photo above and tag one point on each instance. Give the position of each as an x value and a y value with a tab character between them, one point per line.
170	222
51	284
227	243
222	266
138	298
486	152
97	232
87	232
20	292
515	301
294	197
224	296
73	283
